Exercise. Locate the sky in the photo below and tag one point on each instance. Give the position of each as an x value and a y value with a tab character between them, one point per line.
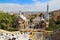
28	5
21	1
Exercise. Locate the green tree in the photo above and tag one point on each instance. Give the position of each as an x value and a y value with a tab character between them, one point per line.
6	21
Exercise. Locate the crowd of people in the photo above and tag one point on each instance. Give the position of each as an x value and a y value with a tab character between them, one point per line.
18	36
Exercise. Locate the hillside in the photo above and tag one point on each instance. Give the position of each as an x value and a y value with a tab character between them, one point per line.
54	22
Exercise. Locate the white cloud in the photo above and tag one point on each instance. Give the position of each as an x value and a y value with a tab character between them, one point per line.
54	5
36	6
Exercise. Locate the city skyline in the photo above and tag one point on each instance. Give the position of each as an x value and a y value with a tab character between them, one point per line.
28	5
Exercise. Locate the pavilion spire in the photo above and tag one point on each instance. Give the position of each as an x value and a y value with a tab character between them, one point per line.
47	10
47	7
